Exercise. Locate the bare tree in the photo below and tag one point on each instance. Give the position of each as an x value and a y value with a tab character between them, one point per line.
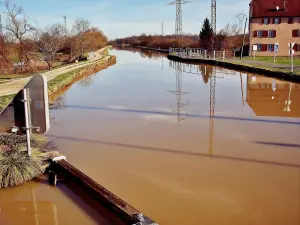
79	28
50	41
17	24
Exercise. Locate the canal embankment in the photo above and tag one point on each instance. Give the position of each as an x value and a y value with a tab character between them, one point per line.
61	77
279	71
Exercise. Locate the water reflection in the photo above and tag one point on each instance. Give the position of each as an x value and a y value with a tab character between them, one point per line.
86	82
28	210
223	160
144	53
179	93
270	97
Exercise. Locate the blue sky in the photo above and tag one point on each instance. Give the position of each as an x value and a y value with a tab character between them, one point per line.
120	18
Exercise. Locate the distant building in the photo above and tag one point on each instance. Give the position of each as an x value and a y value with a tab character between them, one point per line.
274	21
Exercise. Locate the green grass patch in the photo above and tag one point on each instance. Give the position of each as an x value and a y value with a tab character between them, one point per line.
273	69
279	60
4	101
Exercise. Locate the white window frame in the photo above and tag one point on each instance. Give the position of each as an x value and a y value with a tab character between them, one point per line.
276	20
259	47
266	20
270	48
270	33
260	33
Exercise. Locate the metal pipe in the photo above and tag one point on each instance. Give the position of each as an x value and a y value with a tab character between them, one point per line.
26	108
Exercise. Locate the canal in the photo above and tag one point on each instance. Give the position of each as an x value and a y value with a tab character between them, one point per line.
161	136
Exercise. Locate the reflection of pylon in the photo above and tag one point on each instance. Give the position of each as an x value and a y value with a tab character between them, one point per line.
212	113
179	93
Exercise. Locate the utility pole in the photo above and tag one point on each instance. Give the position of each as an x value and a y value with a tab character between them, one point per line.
1	25
214	20
178	21
162	30
65	21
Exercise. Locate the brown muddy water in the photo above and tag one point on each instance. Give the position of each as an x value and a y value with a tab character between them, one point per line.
152	132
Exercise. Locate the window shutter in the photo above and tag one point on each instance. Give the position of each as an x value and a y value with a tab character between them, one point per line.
262	21
274	33
273	47
264	47
265	34
295	47
279	20
294	33
291	20
269	20
255	33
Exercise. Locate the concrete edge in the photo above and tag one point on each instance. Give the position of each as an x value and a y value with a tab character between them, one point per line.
117	206
264	72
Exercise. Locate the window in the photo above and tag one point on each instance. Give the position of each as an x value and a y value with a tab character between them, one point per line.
270	47
259	33
266	20
277	20
259	47
271	33
291	20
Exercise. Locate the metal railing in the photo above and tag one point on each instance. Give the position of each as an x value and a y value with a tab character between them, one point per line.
197	53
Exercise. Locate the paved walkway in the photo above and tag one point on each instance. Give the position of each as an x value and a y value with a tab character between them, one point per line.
12	87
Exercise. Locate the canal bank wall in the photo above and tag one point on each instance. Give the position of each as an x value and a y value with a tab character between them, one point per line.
119	208
288	76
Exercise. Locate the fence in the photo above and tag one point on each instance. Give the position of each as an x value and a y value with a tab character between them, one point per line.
197	53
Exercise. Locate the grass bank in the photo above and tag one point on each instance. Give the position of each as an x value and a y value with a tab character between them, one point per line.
279	60
4	101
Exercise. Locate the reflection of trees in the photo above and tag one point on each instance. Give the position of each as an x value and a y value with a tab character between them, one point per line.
59	102
144	53
207	72
86	82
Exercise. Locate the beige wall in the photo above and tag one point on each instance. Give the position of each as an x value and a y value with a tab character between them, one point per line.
283	35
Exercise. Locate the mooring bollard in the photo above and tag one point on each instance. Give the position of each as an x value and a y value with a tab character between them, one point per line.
214	54
223	55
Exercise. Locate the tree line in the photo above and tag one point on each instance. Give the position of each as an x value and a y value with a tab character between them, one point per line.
22	43
228	38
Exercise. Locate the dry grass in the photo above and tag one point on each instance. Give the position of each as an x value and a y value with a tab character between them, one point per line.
16	167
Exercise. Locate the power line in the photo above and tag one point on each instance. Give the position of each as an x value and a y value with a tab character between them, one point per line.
178	21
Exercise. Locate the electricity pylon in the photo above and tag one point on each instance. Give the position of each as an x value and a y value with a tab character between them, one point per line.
178	21
214	19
